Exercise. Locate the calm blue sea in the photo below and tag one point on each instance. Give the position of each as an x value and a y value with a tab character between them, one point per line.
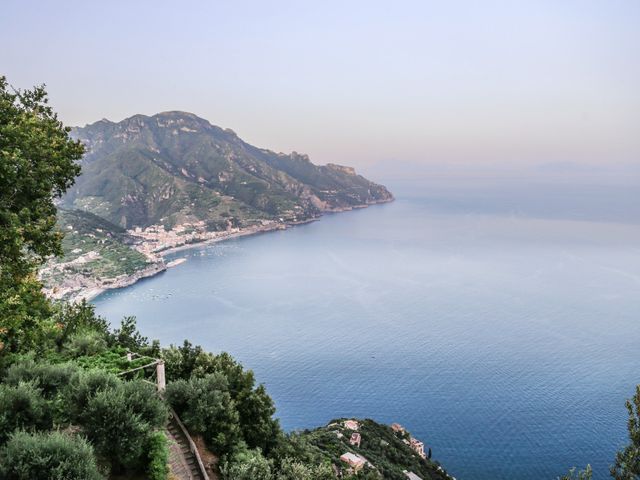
498	321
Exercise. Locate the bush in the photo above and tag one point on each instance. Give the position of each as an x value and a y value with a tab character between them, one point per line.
76	318
47	456
247	465
22	407
158	456
119	420
205	406
50	378
254	406
293	470
82	387
85	344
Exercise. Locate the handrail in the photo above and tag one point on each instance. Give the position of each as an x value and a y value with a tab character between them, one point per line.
192	445
140	368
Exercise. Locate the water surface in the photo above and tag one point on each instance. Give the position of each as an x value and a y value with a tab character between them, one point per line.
497	323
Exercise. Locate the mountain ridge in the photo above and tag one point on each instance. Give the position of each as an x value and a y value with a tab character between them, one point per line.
176	166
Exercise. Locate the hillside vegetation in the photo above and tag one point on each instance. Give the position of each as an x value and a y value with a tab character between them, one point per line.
175	167
71	405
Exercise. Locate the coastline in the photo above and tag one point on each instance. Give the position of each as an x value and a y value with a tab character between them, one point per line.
154	269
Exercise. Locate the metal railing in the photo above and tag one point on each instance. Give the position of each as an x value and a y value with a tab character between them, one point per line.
160	384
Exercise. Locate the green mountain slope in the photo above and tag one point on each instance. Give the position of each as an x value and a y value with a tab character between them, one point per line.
97	254
175	167
387	453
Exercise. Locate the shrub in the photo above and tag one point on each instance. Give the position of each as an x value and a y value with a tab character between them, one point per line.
158	456
50	378
206	407
85	344
254	406
22	407
47	456
247	465
119	420
82	387
293	470
75	318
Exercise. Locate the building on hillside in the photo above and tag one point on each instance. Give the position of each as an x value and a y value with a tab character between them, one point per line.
354	461
351	424
418	447
355	439
396	427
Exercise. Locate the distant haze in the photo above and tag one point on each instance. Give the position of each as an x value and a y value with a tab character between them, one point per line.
458	83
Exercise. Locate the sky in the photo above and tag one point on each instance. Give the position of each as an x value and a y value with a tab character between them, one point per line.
458	83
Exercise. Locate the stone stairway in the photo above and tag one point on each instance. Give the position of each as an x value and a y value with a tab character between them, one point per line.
182	461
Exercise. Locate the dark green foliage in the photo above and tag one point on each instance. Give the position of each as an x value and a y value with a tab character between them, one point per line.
47	456
37	164
77	318
294	470
157	456
254	406
85	344
247	465
82	386
205	406
252	465
22	406
118	422
127	335
256	410
48	378
627	464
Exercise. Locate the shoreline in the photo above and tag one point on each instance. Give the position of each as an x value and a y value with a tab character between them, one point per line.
155	269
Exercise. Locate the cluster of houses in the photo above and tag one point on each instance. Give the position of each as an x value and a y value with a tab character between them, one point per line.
415	444
357	462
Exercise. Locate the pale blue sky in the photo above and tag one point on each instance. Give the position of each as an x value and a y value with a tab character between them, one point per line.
483	82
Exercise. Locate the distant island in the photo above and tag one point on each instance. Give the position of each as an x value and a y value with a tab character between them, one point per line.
150	185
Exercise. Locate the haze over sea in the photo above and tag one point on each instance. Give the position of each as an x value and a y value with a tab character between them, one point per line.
496	319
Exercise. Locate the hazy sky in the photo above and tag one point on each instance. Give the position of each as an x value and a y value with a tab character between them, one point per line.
358	83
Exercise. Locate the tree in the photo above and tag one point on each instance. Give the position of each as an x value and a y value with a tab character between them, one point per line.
82	387
247	465
23	407
37	165
255	408
206	407
128	336
158	456
627	464
294	470
48	378
120	420
47	456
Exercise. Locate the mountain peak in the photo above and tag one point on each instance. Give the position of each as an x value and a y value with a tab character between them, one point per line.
175	167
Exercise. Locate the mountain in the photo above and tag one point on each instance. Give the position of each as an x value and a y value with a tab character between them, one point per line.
174	168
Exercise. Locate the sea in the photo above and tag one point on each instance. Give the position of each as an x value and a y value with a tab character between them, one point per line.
497	319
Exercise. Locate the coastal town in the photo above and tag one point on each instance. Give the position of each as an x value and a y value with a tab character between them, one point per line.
99	261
